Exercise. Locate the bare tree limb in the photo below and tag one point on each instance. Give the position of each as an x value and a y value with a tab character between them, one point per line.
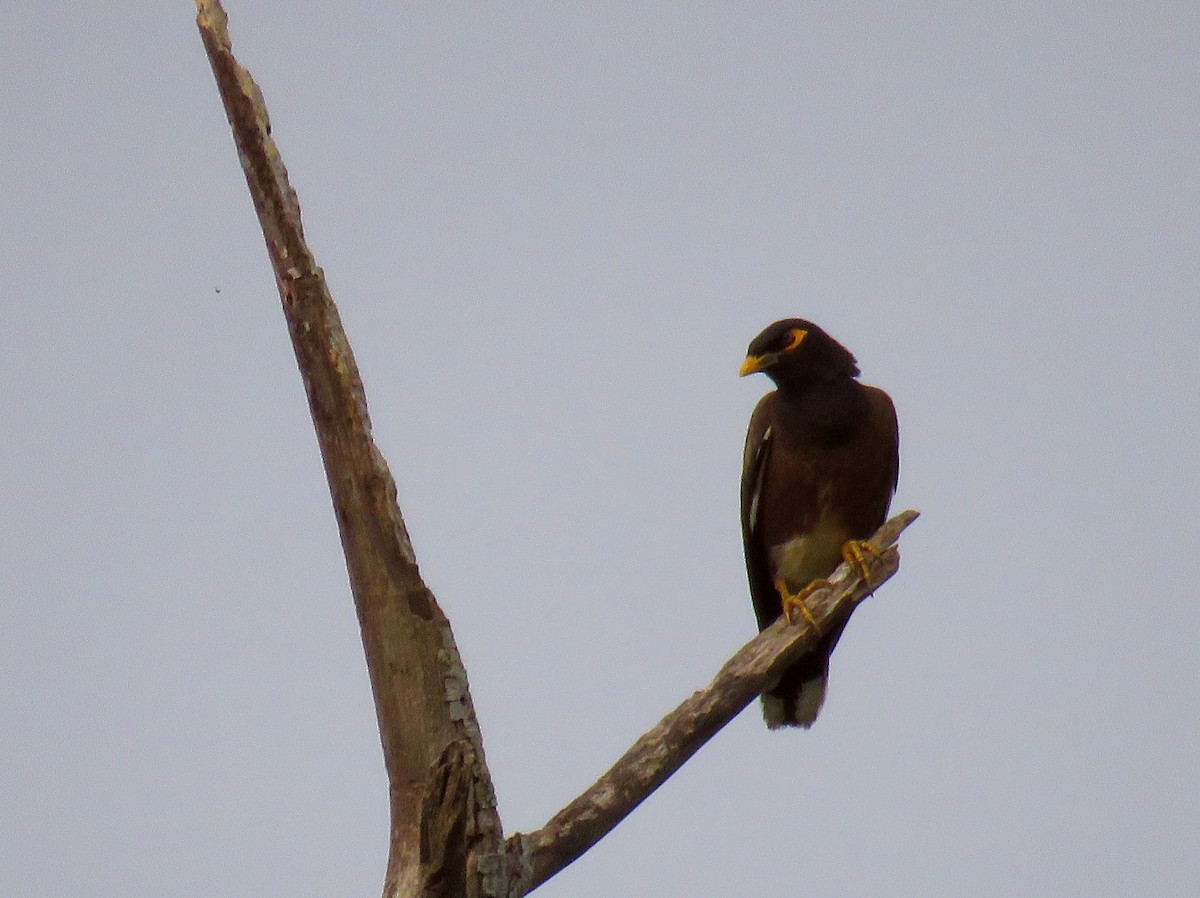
432	747
531	859
446	840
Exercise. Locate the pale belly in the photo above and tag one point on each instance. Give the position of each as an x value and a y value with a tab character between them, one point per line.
814	556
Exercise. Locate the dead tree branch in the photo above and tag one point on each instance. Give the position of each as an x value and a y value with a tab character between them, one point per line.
431	742
446	840
530	859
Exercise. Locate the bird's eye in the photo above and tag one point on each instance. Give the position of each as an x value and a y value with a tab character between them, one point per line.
794	338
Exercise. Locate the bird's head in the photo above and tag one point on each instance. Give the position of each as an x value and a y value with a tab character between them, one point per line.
796	353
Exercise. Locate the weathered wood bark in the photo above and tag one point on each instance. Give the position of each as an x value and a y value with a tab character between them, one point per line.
432	747
446	839
531	859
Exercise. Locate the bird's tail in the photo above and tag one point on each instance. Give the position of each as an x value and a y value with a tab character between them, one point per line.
796	700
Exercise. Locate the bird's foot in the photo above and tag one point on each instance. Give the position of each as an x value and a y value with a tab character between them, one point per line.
795	605
855	552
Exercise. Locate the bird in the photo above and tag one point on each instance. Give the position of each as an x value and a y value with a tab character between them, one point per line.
821	463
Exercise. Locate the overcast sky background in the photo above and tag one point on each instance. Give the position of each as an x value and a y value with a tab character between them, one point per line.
552	230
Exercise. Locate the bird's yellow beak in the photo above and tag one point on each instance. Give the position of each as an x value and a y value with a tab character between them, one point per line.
752	365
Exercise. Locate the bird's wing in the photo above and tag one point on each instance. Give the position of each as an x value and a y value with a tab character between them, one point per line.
889	414
754	474
880	461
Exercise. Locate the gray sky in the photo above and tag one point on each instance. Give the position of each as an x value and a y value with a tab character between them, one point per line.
552	229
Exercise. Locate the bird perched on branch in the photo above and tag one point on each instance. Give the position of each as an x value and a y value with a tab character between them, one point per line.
821	462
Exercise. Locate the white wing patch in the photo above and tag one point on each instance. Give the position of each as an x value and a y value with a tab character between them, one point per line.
760	468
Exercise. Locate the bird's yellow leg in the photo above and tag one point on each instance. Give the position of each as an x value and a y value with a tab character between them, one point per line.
795	605
855	552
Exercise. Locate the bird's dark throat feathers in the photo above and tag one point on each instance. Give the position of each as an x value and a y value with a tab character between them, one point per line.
823	413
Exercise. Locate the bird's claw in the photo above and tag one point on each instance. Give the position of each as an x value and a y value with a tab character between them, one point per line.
795	605
855	553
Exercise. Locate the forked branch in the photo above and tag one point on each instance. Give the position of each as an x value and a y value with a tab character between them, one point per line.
446	840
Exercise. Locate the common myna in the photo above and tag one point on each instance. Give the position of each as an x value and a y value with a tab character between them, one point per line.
821	462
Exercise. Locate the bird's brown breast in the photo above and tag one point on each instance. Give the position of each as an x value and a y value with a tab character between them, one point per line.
819	490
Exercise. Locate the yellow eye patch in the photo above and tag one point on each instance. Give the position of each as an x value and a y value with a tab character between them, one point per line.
795	337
